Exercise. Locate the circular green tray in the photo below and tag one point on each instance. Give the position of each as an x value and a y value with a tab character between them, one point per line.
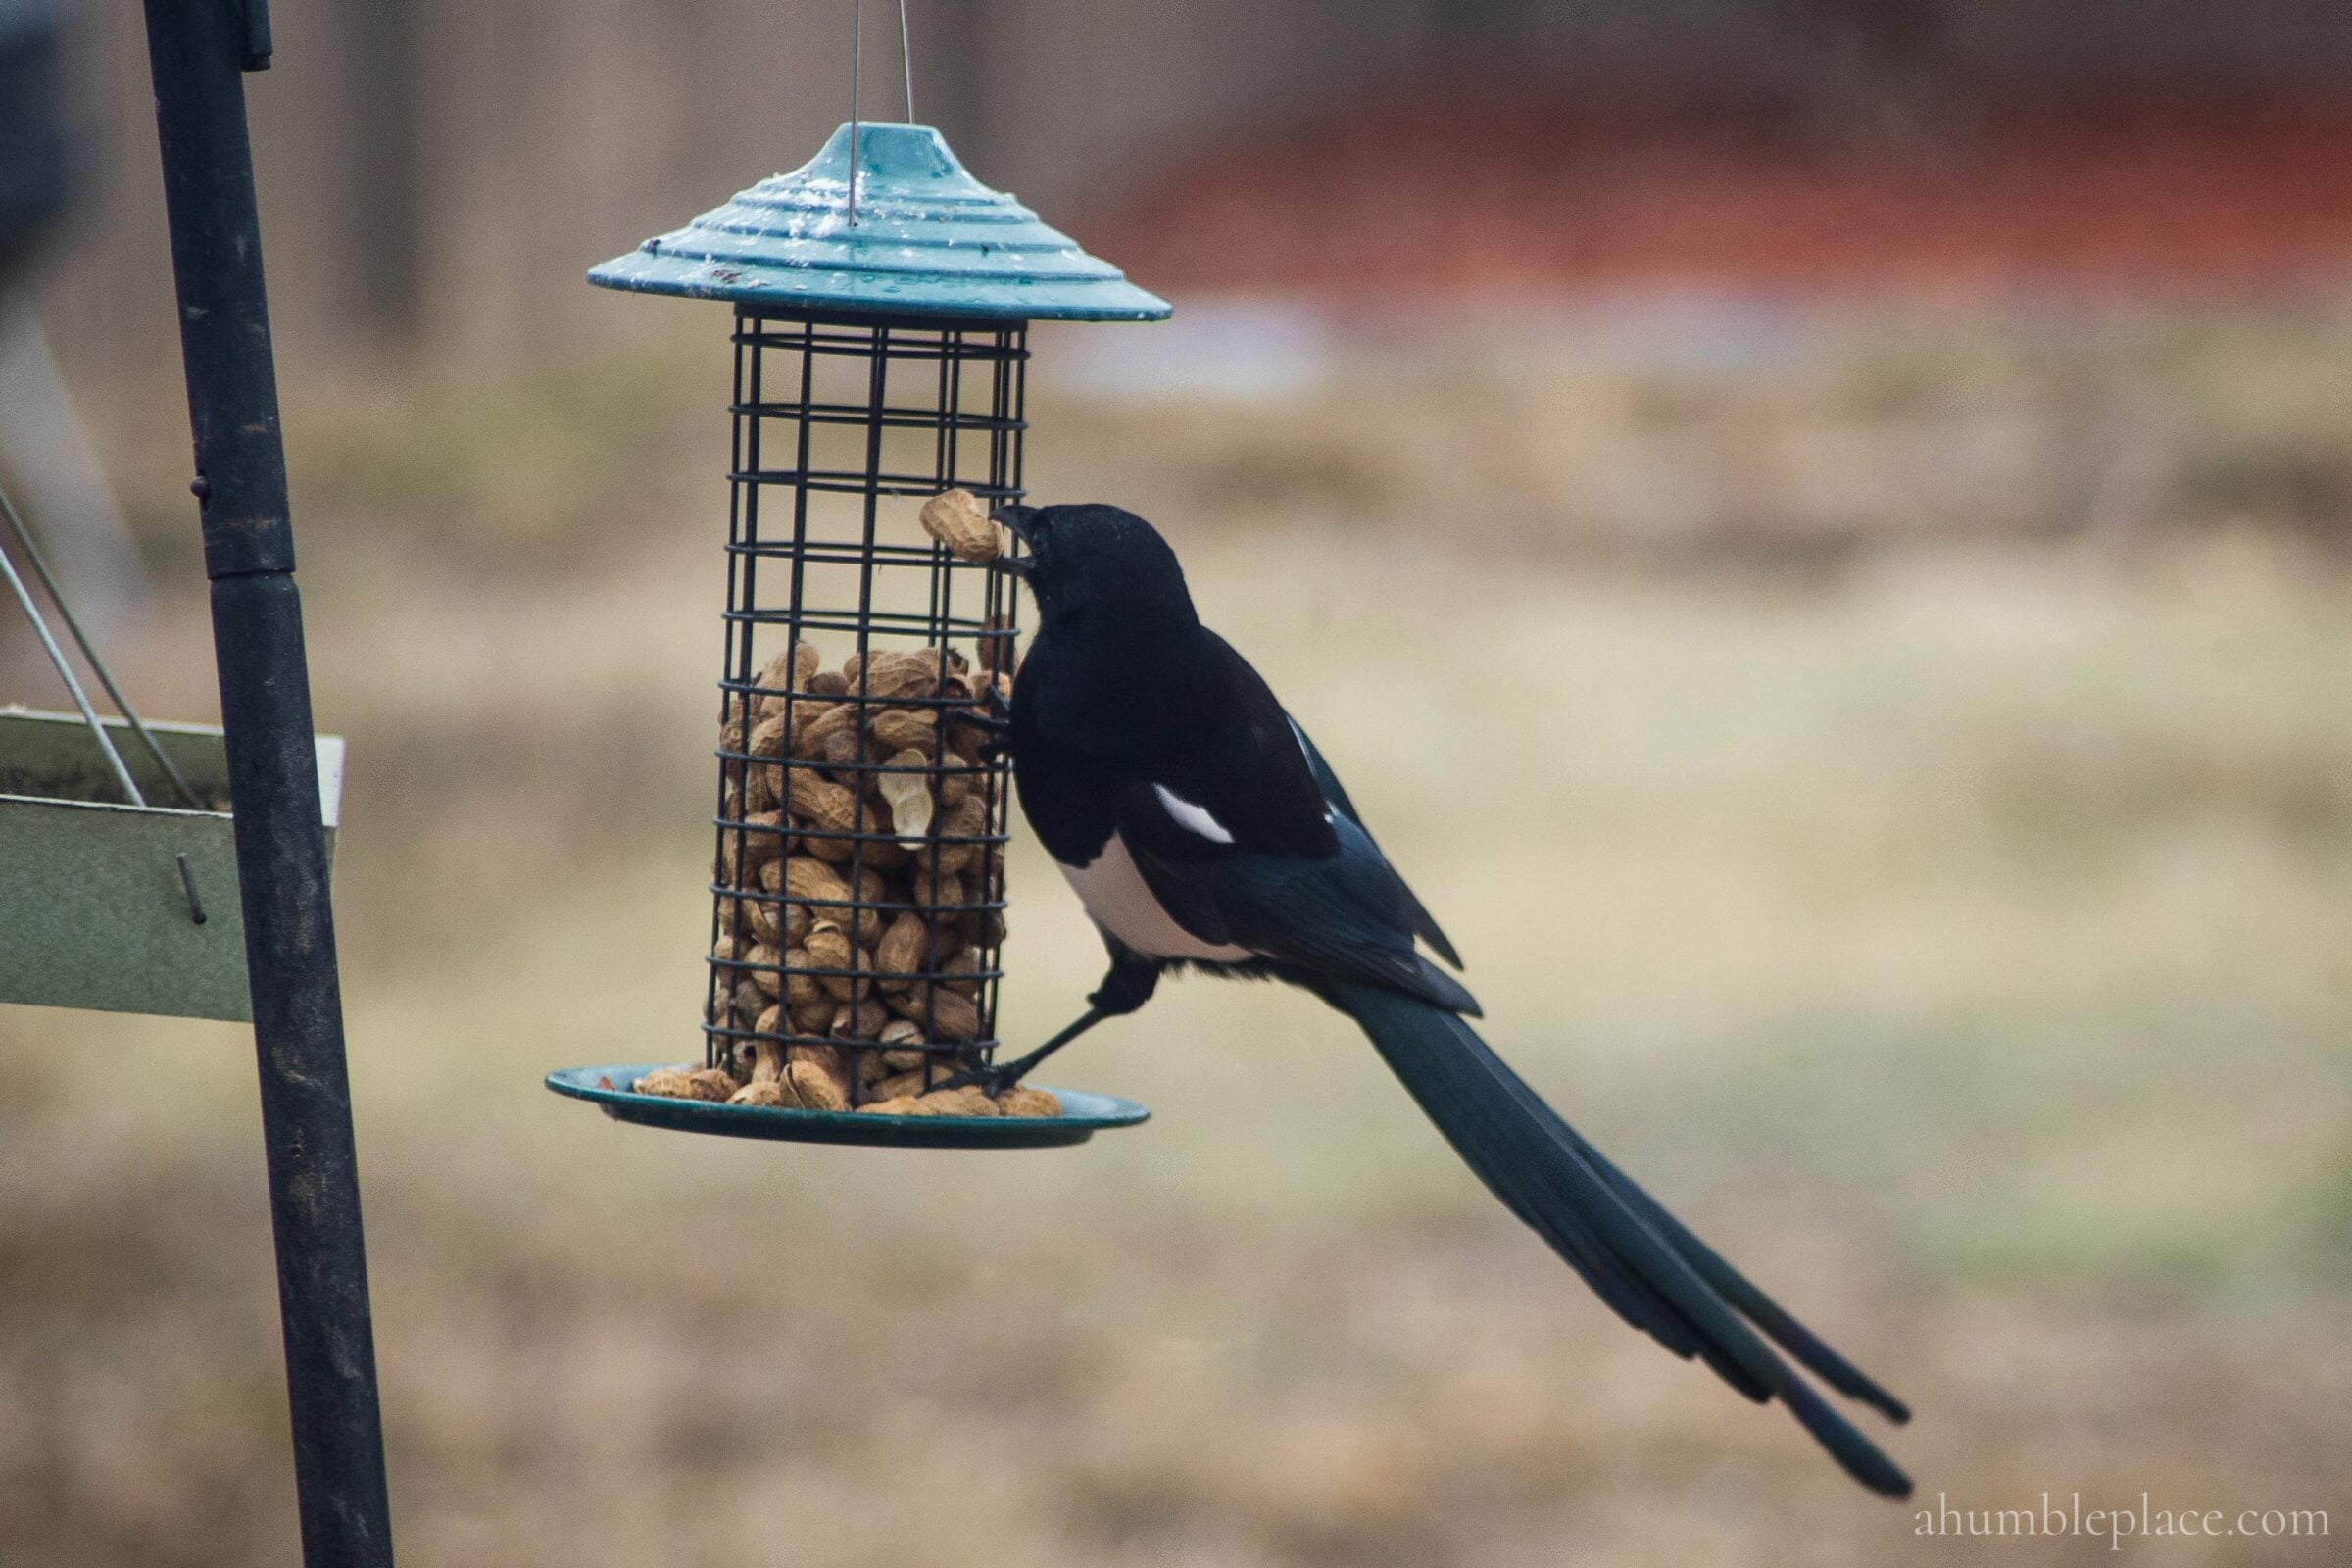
1082	1114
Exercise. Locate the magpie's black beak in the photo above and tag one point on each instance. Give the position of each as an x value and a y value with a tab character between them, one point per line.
1016	518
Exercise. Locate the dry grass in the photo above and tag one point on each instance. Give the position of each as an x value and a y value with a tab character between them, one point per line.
1962	945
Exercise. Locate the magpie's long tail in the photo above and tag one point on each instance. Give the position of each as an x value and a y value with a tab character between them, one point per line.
1641	1260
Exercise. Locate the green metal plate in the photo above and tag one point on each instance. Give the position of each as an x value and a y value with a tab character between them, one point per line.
1082	1115
92	912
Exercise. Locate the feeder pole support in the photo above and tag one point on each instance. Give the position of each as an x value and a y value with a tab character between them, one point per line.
198	49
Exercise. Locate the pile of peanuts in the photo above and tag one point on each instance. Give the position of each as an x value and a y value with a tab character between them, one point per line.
858	831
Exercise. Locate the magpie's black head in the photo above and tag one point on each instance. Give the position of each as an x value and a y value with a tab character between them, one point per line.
1094	561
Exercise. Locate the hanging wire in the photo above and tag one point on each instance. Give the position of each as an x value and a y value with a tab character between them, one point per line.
857	70
907	60
81	640
57	656
857	80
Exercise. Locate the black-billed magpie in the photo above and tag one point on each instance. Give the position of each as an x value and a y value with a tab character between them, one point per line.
1202	829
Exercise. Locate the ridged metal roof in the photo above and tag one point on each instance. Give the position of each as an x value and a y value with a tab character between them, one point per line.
927	239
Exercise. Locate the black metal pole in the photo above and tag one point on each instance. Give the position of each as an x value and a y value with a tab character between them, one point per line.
197	49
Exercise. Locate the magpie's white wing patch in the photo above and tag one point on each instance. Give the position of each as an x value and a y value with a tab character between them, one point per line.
1122	904
1195	820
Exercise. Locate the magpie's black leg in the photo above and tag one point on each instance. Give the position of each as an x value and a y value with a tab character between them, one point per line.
996	1079
1127	987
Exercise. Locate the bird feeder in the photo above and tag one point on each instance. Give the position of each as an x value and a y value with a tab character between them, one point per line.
121	862
125	905
882	298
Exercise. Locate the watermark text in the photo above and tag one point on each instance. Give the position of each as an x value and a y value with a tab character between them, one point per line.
2070	1516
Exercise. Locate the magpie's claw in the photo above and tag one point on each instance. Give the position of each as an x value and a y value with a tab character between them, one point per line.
996	720
991	1080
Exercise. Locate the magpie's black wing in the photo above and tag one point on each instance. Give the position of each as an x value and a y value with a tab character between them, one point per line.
1424	924
1237	825
1343	916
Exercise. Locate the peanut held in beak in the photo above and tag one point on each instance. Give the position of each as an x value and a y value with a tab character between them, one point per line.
957	520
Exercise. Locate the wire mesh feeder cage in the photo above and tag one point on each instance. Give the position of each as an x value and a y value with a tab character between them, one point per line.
882	301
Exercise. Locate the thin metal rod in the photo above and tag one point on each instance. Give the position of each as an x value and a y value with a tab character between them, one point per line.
187	885
195	48
65	672
907	60
81	640
856	74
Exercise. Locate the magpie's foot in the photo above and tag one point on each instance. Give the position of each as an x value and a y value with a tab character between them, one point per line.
993	721
991	713
991	1080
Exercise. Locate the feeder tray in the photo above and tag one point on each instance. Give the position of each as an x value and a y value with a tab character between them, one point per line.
882	298
99	911
1082	1115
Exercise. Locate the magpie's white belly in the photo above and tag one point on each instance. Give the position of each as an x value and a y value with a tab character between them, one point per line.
1115	895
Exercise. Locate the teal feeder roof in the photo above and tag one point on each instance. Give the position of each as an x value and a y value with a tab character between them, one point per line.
928	239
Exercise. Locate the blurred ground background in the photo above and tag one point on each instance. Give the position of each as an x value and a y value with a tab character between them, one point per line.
1855	646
